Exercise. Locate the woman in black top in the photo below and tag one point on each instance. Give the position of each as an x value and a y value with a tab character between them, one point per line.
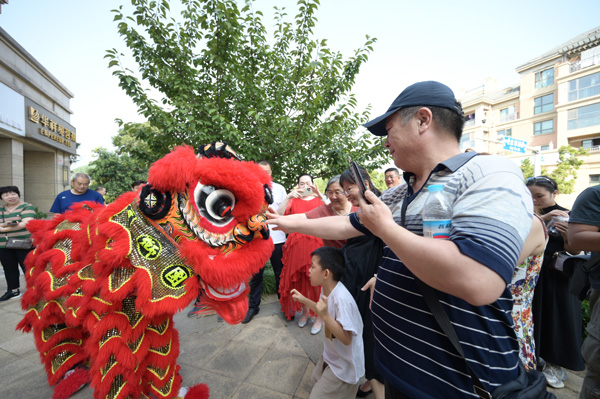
556	312
363	256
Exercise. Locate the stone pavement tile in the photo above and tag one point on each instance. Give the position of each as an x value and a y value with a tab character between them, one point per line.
8	325
236	360
23	373
262	332
247	391
286	343
197	350
220	387
19	344
305	386
13	305
278	371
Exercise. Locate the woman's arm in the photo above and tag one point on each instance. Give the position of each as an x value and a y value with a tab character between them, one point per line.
329	228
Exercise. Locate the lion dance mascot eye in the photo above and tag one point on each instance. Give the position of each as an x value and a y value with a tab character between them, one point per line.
104	282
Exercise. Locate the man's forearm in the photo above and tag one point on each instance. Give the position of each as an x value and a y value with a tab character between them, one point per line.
440	264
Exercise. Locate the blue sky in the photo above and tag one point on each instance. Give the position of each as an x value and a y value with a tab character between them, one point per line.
459	43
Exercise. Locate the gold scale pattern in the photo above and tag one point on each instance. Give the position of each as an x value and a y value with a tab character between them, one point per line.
153	252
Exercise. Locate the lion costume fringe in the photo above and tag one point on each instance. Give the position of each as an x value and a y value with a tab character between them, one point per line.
104	282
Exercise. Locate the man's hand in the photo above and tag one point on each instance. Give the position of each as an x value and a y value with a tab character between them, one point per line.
370	285
376	216
322	307
296	296
280	222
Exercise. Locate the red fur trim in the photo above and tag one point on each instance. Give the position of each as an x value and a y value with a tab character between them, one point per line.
199	391
73	383
174	170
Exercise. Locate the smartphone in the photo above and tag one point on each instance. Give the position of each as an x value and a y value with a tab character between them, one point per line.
362	187
306	192
13	223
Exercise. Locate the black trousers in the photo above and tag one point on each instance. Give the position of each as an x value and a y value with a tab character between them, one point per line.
256	282
393	393
11	259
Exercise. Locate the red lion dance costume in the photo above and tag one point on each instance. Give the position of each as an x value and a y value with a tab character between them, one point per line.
104	283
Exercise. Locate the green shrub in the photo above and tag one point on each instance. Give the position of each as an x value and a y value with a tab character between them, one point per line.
268	280
585	313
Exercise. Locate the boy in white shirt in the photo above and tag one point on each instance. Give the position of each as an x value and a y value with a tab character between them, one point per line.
343	363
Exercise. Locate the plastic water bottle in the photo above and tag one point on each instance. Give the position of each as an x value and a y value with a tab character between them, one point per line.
437	214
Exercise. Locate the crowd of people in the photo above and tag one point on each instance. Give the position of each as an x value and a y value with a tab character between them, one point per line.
357	265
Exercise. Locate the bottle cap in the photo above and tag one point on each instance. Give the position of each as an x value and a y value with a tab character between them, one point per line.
435	188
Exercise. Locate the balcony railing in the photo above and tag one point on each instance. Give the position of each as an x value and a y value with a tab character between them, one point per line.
587	62
509	117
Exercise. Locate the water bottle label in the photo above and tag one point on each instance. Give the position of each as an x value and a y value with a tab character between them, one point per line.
437	228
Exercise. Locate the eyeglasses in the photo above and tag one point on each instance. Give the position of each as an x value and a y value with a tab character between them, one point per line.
336	192
349	190
542	179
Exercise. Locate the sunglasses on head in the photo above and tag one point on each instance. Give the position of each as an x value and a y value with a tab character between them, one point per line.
542	179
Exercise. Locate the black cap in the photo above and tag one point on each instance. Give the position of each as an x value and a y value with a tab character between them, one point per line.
428	93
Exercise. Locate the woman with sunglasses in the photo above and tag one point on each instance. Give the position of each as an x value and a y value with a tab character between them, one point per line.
556	312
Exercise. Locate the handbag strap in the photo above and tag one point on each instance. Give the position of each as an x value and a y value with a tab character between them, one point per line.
442	318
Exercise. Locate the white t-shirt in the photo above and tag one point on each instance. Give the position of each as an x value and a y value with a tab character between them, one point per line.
279	195
346	361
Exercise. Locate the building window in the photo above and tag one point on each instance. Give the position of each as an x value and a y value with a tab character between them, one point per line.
544	78
545	148
584	87
544	104
544	127
465	138
508	114
594	180
470	119
590	143
504	133
583	117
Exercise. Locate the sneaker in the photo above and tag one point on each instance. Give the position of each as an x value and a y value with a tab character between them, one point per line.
10	294
563	374
551	377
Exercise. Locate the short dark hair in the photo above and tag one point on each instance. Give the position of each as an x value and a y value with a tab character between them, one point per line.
10	189
348	177
306	174
392	170
331	259
543	181
137	183
447	119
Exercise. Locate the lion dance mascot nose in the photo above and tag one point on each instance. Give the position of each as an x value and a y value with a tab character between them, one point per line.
104	282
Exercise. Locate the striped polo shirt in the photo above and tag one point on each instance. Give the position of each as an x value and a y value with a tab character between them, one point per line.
22	211
492	213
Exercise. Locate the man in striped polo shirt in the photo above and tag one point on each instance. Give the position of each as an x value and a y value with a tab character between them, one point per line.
492	213
491	218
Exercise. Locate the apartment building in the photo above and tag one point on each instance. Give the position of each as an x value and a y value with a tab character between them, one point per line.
556	103
37	141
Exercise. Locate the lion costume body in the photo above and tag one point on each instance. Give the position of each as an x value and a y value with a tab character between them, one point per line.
104	282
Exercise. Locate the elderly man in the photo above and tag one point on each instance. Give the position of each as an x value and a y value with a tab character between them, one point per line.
469	272
392	177
79	193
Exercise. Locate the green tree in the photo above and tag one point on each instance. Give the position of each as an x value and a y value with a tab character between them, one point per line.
565	172
378	179
115	172
285	98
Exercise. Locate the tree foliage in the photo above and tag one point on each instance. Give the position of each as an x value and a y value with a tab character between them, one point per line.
285	98
565	172
116	170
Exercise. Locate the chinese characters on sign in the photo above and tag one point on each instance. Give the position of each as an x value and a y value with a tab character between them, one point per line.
515	145
51	129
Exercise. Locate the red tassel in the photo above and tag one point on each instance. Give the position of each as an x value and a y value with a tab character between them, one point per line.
199	391
71	384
